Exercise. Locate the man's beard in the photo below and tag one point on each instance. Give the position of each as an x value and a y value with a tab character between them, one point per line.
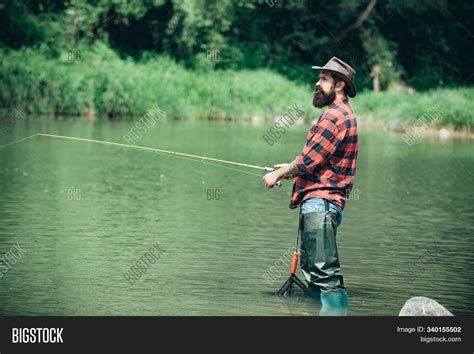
321	99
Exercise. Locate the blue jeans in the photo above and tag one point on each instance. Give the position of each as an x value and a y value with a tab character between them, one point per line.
317	204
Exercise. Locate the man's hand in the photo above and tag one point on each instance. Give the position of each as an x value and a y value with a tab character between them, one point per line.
271	178
281	165
284	166
284	170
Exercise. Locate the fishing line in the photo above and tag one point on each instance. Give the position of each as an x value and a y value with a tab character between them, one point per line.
206	163
191	157
18	141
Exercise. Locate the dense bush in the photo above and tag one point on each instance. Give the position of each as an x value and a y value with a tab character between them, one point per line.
124	87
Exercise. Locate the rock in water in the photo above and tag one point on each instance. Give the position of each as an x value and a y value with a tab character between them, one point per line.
443	133
423	306
257	120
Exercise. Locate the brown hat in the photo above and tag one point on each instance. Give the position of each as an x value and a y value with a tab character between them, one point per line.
343	70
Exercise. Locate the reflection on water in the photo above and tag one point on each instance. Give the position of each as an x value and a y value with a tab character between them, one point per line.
85	214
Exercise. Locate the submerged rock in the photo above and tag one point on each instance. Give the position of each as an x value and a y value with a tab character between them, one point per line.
423	306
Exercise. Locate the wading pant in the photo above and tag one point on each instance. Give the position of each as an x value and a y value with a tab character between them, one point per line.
319	257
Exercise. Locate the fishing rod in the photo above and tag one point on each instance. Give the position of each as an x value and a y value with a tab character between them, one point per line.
168	152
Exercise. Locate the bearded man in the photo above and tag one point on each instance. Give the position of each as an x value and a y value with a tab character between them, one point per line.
323	178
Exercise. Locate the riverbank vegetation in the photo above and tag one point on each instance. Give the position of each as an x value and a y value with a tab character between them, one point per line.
234	60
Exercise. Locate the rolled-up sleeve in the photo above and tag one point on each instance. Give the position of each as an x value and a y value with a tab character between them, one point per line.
321	146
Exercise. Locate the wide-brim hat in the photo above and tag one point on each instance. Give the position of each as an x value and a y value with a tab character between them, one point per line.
343	70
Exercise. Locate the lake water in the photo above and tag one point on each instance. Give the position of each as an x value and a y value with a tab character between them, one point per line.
84	213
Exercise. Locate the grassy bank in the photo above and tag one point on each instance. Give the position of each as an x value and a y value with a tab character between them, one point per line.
107	84
452	108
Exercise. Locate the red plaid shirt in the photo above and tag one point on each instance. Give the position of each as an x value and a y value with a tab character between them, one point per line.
329	157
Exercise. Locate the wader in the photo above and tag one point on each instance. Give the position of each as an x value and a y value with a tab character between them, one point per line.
319	257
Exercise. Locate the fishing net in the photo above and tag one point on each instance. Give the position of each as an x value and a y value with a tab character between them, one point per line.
293	281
